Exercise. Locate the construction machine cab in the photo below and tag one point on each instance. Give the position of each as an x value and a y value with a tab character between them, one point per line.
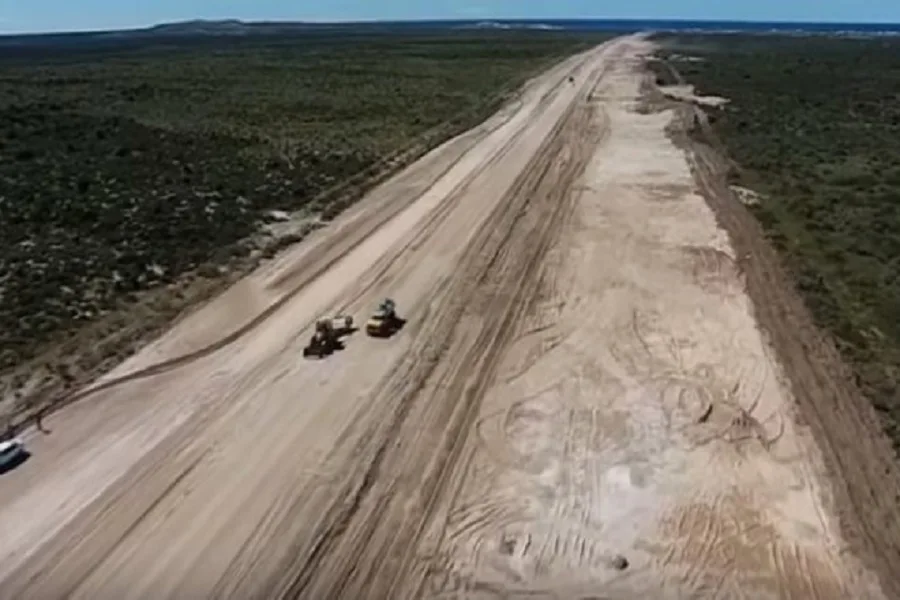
386	308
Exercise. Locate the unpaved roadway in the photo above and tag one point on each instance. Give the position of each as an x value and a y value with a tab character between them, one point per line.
580	381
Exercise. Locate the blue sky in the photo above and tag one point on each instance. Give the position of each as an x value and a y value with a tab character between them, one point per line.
73	15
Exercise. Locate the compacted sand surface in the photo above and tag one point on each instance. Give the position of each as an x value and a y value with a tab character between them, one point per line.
579	406
638	414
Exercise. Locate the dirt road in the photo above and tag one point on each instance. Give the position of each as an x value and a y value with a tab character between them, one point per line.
580	380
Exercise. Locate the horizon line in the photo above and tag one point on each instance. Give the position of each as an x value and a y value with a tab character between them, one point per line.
374	21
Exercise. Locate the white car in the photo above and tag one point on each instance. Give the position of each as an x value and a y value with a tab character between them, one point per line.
12	452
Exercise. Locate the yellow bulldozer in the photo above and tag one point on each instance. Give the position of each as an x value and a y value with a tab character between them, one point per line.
384	322
327	336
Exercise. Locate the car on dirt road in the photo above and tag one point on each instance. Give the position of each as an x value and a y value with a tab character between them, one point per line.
12	454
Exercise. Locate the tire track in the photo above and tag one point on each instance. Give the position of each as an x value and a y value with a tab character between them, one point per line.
357	532
493	432
394	261
588	138
542	315
79	547
523	306
847	432
843	422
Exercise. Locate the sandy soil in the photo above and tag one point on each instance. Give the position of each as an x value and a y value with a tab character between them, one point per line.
580	381
685	93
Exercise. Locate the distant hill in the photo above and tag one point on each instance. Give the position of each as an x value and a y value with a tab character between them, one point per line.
200	27
196	30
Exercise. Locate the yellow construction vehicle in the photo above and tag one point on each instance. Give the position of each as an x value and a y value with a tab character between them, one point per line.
384	322
326	337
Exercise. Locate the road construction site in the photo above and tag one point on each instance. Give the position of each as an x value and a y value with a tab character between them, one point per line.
580	403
